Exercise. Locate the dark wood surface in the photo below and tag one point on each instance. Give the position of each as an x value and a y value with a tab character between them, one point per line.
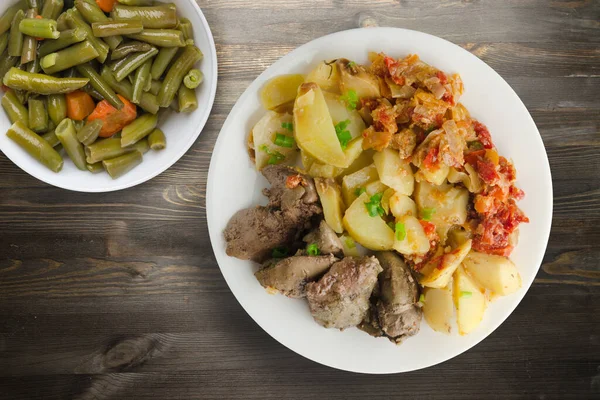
118	295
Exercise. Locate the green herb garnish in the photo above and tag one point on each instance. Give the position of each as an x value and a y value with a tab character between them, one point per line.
427	214
422	298
279	252
351	65
466	294
284	140
350	243
359	190
288	125
313	250
475	145
276	157
374	206
342	133
400	230
351	99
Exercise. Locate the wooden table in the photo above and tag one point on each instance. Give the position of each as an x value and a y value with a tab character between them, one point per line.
118	295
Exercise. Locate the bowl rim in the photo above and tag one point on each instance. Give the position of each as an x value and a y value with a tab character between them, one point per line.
192	139
221	143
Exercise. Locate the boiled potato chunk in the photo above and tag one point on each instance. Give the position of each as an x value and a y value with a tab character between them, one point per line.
339	112
438	308
314	129
496	273
364	159
307	160
435	176
441	274
375	187
280	90
331	200
394	171
358	179
349	246
448	202
385	199
469	301
320	170
401	204
325	75
371	232
415	241
263	134
457	236
357	79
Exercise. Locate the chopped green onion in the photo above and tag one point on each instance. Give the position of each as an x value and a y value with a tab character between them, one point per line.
283	140
288	125
351	99
313	250
400	230
475	145
350	243
360	190
276	157
351	65
427	214
342	133
466	294
374	206
279	252
422	298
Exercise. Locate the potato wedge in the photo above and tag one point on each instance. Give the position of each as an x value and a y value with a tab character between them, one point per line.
438	308
401	204
263	134
357	79
280	90
394	171
445	266
331	201
307	160
470	302
358	179
415	241
339	112
385	199
371	232
320	170
496	273
435	177
326	75
448	203
349	246
364	159
314	129
375	187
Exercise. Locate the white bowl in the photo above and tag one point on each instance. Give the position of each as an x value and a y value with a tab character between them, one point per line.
233	184
181	130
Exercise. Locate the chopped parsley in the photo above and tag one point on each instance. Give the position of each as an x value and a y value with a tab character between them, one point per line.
351	99
342	133
400	230
359	190
275	156
427	214
288	125
374	206
313	250
466	294
284	140
279	252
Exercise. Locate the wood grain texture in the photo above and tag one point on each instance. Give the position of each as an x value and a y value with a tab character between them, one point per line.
118	295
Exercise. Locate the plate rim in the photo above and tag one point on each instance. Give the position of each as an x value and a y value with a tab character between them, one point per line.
220	142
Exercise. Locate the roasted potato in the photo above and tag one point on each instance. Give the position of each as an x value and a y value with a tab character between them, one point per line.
263	134
357	180
444	266
280	90
438	308
401	204
326	75
394	171
496	273
415	240
371	232
354	77
339	112
331	201
469	300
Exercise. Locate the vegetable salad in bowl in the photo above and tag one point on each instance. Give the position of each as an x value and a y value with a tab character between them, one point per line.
388	201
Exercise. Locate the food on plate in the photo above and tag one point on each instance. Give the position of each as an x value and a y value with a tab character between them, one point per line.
83	74
388	201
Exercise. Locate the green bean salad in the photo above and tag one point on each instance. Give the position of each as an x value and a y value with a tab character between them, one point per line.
88	79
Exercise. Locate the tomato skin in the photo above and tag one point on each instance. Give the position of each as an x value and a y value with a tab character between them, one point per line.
483	134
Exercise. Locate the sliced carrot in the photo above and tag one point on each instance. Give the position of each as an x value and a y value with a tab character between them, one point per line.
106	5
113	120
79	105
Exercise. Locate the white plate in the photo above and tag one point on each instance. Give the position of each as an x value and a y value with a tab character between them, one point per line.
233	184
181	130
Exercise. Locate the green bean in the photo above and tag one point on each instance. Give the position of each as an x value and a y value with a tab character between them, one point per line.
33	67
187	100
175	105
91	12
65	131
160	37
138	129
7	18
34	3
57	108
100	85
95	168
15	39
38	117
70	73
62	24
184	63
112	28
15	110
124	88
51	138
155	87
78	125
22	96
89	133
69	57
128	48
6	63
133	62
65	39
162	61
92	92
193	79
119	166
52	9
39	28
37	147
136	2
154	17
29	52
76	21
157	140
110	148
186	27
3	42
142	76
40	83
